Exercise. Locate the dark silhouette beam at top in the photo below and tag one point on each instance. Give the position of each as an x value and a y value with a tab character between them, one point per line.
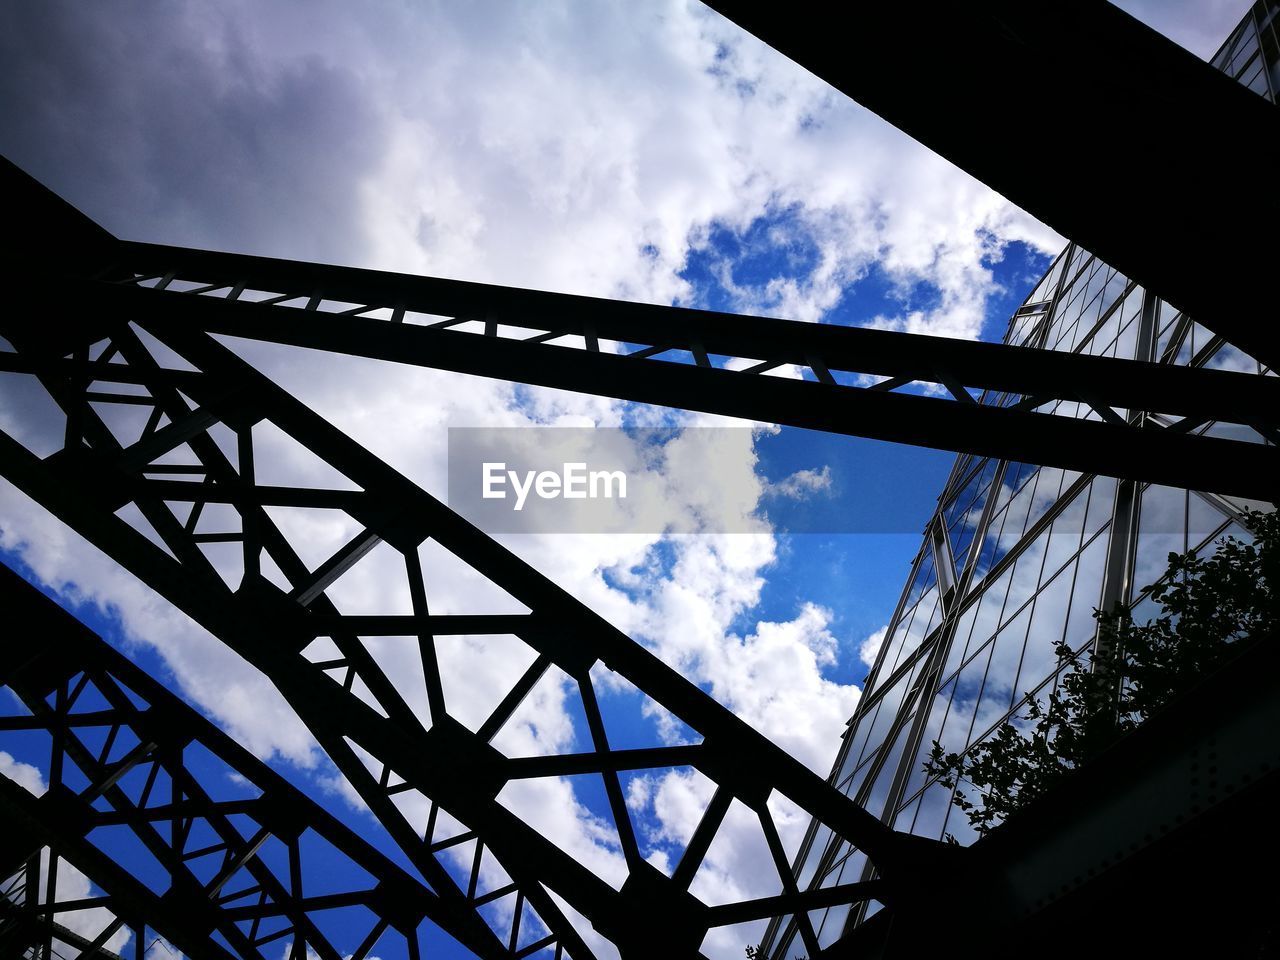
1160	166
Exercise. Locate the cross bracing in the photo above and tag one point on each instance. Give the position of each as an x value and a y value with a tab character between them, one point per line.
236	864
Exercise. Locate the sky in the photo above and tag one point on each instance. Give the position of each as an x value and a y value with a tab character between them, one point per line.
647	152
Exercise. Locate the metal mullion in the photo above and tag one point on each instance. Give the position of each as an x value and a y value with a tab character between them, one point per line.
927	684
872	680
1029	536
880	756
1102	320
927	646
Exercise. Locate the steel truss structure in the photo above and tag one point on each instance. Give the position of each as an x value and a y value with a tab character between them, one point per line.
122	752
444	767
400	764
1073	411
133	328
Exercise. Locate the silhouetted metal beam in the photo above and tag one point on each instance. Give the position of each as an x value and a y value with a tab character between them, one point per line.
1100	127
864	382
57	819
21	930
554	340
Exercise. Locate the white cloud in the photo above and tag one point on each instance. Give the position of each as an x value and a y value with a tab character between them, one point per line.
803	484
23	774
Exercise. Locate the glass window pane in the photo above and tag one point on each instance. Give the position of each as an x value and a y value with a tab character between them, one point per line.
1063	540
1161	531
1087	592
1102	494
1048	621
955	731
932	812
1002	671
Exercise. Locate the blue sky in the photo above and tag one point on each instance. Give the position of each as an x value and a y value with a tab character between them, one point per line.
651	153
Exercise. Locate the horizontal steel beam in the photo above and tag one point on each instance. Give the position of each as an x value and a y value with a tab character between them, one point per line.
872	383
1104	442
1049	374
1113	135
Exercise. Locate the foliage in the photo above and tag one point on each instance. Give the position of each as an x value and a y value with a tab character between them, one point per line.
755	952
758	953
1209	607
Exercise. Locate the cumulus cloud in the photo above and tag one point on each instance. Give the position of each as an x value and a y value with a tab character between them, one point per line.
25	775
803	484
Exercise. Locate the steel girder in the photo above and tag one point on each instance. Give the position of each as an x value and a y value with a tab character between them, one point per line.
417	767
1149	170
1122	418
126	754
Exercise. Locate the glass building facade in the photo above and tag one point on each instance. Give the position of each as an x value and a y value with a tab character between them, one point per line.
1017	557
